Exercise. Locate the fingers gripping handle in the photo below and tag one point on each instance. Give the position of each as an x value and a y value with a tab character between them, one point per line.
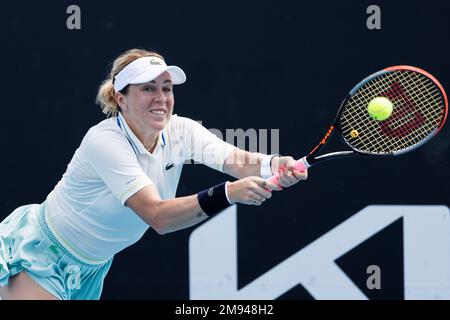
301	165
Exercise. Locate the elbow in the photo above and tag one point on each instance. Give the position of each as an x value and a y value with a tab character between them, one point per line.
156	221
157	224
160	229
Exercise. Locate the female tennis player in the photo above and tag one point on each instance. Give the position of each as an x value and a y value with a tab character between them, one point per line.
123	179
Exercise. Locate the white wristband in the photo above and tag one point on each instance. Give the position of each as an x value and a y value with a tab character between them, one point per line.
266	169
226	192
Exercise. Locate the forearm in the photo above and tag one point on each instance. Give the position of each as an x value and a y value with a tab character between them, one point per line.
241	164
179	213
174	214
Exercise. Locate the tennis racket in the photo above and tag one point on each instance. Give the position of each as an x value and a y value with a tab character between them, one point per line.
420	109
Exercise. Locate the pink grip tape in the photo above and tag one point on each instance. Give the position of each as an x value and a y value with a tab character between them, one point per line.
299	166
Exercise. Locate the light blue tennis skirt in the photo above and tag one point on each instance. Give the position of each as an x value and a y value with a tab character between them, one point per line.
27	244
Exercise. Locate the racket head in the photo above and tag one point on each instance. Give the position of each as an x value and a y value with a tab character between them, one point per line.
420	108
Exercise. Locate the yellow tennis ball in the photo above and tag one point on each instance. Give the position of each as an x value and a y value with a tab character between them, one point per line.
380	108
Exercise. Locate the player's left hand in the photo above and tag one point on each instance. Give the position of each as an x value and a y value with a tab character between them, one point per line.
288	175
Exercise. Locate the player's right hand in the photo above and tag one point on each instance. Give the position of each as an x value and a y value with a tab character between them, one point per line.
250	190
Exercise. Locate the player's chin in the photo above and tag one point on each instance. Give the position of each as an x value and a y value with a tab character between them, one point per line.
159	123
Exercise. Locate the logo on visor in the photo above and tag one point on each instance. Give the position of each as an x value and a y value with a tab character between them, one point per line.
155	62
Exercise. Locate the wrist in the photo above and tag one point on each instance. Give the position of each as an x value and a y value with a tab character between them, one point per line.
227	184
214	200
266	166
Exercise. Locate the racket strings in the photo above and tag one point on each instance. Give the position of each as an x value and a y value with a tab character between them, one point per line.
405	123
408	119
418	112
377	145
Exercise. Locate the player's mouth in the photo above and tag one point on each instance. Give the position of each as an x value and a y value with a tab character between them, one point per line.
159	112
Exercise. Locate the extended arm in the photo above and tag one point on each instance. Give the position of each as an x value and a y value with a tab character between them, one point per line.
241	163
174	214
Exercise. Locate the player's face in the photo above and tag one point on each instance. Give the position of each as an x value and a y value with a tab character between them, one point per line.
150	105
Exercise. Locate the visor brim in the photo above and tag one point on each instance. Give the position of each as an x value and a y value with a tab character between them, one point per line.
177	75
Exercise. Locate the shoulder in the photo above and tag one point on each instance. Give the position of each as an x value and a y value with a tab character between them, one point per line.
105	133
178	123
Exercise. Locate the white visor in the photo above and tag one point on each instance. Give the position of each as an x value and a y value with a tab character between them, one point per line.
146	69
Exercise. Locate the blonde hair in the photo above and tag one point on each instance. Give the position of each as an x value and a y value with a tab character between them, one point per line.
105	95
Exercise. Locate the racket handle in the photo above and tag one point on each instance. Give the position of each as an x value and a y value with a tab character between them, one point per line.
301	165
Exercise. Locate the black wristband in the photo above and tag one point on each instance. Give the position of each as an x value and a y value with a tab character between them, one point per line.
213	200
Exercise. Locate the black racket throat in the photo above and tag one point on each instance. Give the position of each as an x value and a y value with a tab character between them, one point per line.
313	158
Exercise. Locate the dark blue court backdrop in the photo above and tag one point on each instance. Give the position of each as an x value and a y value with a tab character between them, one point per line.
250	64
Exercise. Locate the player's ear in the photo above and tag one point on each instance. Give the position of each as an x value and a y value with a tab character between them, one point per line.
120	99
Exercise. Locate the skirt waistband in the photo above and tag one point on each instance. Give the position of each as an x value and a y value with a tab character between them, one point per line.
50	234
